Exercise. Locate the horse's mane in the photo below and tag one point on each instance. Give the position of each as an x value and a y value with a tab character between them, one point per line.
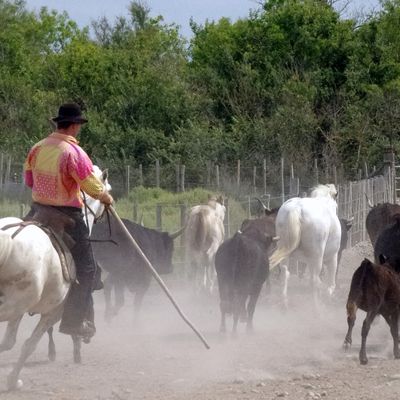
328	190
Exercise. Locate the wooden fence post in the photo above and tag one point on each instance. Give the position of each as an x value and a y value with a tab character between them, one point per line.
22	211
178	177
265	176
238	176
183	169
254	179
1	170
135	211
140	174
316	172
208	166
282	180
158	217
128	179
157	173
227	223
183	208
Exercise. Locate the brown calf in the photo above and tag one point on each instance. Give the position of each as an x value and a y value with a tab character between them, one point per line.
374	289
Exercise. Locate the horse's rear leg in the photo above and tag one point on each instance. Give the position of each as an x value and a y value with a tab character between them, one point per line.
331	267
46	321
285	281
10	336
52	345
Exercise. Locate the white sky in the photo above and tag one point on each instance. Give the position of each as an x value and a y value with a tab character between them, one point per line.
178	11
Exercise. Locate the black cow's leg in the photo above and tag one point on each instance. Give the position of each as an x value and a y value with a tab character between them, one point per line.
251	306
364	333
108	285
393	321
351	318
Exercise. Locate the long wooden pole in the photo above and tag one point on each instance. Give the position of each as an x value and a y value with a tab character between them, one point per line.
156	276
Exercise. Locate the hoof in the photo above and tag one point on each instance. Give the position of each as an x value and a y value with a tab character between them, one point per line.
346	345
363	361
52	357
14	384
78	360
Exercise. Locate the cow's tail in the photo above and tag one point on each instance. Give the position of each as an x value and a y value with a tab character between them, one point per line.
5	247
199	235
289	238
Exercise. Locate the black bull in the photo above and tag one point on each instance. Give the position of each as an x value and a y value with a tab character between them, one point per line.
125	267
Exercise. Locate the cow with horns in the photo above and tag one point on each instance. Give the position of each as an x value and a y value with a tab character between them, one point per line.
125	267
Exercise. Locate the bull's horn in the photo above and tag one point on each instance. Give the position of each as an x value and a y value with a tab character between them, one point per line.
141	221
177	233
262	204
276	238
370	205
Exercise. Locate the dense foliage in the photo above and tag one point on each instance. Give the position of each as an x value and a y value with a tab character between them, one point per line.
294	79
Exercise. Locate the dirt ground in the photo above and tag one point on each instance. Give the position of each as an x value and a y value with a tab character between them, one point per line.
292	355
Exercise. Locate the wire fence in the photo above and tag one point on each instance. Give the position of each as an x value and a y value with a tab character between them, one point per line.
273	184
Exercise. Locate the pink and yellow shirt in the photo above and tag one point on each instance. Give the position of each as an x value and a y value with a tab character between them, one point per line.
57	168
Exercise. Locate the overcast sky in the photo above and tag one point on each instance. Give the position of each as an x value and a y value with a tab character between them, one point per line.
178	11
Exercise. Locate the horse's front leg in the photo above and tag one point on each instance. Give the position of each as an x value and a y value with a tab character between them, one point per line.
10	336
29	346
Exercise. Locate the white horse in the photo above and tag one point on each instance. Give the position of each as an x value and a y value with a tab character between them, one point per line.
204	233
31	281
309	229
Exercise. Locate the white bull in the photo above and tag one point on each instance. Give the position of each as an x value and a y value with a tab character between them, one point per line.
204	234
309	230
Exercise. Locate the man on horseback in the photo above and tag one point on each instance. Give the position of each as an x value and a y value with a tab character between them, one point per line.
57	169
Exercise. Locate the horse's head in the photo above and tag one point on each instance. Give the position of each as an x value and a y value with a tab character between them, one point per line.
217	203
328	190
93	208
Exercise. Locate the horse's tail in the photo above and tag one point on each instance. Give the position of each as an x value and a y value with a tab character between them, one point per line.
5	247
198	236
289	238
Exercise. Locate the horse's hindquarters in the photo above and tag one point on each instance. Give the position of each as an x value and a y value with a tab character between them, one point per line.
30	274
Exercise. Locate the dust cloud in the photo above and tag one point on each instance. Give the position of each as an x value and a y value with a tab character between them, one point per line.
156	355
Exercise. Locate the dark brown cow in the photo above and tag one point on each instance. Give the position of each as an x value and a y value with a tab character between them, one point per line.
242	267
378	217
374	289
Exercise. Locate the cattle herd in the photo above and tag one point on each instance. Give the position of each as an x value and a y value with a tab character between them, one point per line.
241	264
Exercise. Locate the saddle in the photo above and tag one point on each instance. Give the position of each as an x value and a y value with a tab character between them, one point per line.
53	223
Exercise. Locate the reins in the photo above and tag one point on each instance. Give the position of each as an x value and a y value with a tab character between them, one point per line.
96	219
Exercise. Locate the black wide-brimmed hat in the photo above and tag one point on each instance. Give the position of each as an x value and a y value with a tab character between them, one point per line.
70	112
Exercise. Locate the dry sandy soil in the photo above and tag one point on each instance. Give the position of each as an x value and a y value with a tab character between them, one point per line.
291	355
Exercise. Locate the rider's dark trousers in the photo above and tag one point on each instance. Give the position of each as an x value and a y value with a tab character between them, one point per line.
79	302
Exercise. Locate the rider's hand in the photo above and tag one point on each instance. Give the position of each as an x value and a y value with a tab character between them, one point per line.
106	199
